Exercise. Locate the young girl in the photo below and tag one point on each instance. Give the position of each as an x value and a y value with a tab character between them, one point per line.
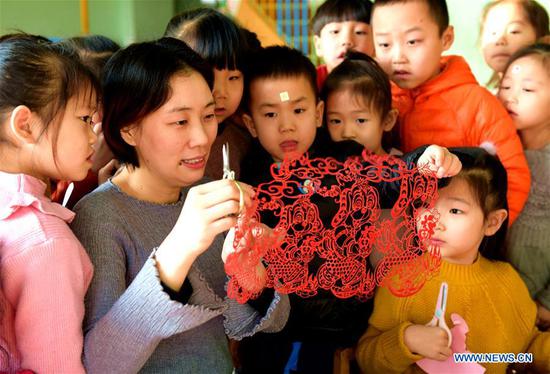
94	51
525	91
225	46
470	234
506	27
157	301
47	101
358	104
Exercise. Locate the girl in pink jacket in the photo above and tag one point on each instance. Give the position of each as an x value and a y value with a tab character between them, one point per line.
47	101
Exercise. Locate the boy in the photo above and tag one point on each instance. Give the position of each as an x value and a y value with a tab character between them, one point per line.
284	113
438	99
338	26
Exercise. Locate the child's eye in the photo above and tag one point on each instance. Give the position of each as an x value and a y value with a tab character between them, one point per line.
87	120
270	115
504	87
528	90
413	42
234	77
383	45
299	110
361	121
209	117
334	32
334	121
515	32
455	211
361	32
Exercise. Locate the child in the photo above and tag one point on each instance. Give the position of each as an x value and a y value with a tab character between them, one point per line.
225	46
157	301
358	99
47	101
94	51
470	235
339	26
506	27
525	91
284	113
438	99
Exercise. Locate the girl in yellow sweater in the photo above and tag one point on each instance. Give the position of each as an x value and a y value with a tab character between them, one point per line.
487	293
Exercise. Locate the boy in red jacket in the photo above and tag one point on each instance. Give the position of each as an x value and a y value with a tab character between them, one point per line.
438	98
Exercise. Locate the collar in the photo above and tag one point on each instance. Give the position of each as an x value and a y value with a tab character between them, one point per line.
21	190
455	71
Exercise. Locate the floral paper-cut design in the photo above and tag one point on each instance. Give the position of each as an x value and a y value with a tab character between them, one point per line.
335	227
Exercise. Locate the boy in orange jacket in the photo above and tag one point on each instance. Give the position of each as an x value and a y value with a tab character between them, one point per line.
438	98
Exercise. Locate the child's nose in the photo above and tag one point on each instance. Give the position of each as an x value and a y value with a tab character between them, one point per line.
348	132
220	90
398	55
346	38
501	39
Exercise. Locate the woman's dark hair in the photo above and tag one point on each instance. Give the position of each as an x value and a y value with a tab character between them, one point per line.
488	181
136	82
214	36
536	15
340	11
94	50
539	50
43	78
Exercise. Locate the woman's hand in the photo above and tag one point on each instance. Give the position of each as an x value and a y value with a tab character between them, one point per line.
440	161
209	209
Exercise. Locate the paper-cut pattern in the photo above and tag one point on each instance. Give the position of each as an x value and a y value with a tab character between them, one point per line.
329	228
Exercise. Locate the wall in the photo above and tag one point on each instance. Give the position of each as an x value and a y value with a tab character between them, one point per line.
124	21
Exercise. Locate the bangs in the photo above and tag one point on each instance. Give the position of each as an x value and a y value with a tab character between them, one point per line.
341	11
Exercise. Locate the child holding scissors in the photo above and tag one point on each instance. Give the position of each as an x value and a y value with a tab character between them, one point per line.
487	293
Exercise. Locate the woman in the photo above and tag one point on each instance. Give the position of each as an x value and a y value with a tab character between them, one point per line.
157	301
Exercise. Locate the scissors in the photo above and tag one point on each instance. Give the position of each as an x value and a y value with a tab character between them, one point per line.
230	174
439	315
227	172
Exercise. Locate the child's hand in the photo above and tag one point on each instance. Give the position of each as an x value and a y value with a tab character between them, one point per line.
107	171
441	161
543	317
428	341
209	209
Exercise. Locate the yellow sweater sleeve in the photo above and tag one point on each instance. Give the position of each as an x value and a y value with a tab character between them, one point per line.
540	348
384	351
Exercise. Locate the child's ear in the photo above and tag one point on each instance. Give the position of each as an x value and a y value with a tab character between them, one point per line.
317	43
448	37
390	120
20	125
129	134
319	111
495	220
249	123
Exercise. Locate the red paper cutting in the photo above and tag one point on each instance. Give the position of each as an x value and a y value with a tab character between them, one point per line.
329	231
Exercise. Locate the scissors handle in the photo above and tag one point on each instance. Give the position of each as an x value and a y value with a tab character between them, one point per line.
227	172
438	319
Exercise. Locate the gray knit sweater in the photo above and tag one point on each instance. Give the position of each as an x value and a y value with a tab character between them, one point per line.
131	324
529	236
